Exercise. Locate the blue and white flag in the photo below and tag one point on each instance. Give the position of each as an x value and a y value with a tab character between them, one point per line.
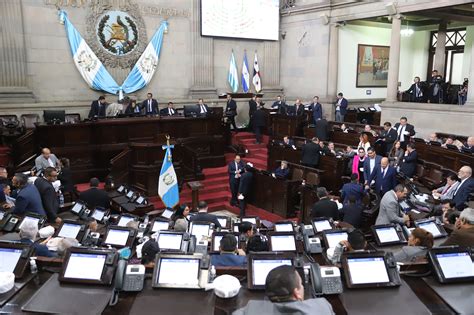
89	66
145	67
233	78
245	74
168	182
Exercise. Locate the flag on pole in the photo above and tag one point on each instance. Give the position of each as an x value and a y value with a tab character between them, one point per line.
257	83
245	74
168	182
233	78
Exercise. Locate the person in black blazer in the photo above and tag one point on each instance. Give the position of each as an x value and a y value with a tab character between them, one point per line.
95	197
321	129
351	212
169	111
203	109
252	107
404	132
297	109
49	198
287	142
65	176
465	187
317	109
133	108
245	189
235	170
259	122
389	136
409	161
282	172
341	107
98	108
417	91
203	216
150	105
311	153
354	189
325	207
385	177
231	111
279	104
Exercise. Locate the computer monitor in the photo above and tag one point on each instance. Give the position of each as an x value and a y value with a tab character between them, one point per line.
431	226
282	242
14	257
130	194
216	240
169	241
284	226
388	234
121	189
260	264
333	237
32	217
124	219
98	214
191	111
452	264
159	225
119	236
71	229
177	271
321	224
78	207
86	265
54	116
2	214
254	220
167	213
200	229
140	200
224	221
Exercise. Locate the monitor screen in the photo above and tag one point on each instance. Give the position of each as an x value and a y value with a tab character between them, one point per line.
69	230
28	218
261	268
85	266
334	238
98	214
167	213
117	237
129	194
284	227
456	265
159	225
9	258
170	240
121	188
2	214
124	220
188	274
199	230
321	225
251	220
77	207
140	200
367	270
431	227
222	221
387	234
283	242
236	228
217	242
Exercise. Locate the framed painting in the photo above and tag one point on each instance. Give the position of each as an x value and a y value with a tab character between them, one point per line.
372	65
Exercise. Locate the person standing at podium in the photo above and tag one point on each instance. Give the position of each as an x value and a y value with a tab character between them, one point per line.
150	105
231	111
98	108
235	169
279	105
298	109
168	111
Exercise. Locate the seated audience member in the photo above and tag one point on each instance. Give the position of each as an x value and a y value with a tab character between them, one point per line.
465	187
28	198
311	153
384	177
283	171
149	251
168	111
181	213
463	234
46	159
325	207
246	230
449	140
203	216
4	177
65	176
356	242
469	146
390	211
419	242
409	161
285	292
257	243
371	163
98	108
229	255
6	201
287	142
95	197
132	108
445	210
331	149
28	232
358	164
351	212
49	198
344	128
181	225
369	129
447	191
349	154
64	244
396	154
354	189
364	142
434	138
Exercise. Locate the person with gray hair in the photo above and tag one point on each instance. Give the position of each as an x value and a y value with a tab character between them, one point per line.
465	187
390	211
463	235
325	207
66	243
28	233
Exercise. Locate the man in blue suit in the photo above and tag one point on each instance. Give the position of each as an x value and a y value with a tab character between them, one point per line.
341	107
235	169
385	177
409	161
229	254
465	187
317	109
371	163
352	189
28	198
283	171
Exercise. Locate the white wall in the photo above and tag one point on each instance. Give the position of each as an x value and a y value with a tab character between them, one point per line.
466	63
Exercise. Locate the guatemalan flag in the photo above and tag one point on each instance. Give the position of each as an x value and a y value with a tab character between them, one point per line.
232	77
90	67
257	83
168	182
245	74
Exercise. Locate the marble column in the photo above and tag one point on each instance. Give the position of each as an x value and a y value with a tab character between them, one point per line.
270	68
203	58
13	83
394	60
332	63
470	93
440	53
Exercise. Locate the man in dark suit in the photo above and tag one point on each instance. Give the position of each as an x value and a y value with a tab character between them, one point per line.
168	111
341	107
259	122
297	109
352	189
389	136
245	188
436	88
409	161
235	170
317	109
416	91
351	212
231	111
469	145
150	105
28	198
203	109
311	153
321	129
279	105
252	110
404	131
49	198
385	177
98	108
203	216
463	235
95	197
370	163
465	187
282	172
325	207
287	142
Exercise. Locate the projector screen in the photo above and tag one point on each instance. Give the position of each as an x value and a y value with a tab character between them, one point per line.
254	19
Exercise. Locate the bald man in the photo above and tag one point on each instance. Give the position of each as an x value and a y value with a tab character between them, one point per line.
469	146
465	187
383	177
46	159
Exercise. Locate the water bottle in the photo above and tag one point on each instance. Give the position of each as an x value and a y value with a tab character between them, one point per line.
33	266
212	273
61	199
146	219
